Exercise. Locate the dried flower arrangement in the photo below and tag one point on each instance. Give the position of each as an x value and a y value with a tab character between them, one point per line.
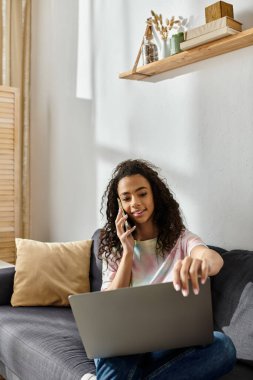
170	24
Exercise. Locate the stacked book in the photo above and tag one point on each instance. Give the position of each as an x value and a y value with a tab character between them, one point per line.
211	31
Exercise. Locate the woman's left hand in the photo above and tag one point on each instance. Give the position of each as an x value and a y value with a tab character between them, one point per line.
190	269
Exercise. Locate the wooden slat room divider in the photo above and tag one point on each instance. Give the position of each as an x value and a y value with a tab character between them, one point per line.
10	170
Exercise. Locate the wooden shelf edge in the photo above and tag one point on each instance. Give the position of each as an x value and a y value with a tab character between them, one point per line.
199	53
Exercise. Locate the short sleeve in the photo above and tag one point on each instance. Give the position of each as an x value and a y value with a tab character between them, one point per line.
189	240
109	270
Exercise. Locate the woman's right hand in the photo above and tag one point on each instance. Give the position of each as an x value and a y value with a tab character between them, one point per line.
123	274
125	237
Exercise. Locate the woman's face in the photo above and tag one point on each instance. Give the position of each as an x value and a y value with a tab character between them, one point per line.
136	197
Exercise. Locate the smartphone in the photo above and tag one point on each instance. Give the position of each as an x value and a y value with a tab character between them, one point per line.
127	226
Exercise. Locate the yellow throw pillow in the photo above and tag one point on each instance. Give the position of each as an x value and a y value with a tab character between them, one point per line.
47	273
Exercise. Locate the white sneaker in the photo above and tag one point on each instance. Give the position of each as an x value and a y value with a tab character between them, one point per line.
88	376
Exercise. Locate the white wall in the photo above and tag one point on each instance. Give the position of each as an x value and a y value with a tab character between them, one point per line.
197	126
62	135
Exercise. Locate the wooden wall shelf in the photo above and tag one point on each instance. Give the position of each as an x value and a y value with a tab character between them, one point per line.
211	49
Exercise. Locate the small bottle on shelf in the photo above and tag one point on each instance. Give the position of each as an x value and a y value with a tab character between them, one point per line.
149	48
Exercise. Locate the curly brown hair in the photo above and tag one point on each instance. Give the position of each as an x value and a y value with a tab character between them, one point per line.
167	215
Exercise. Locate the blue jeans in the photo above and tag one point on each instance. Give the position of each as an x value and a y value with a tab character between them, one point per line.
195	363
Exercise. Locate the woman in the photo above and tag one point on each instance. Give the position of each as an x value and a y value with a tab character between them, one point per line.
154	246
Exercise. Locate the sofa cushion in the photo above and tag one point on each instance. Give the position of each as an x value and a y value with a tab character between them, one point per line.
42	343
232	291
47	273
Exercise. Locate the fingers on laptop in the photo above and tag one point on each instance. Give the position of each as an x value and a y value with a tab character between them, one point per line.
189	269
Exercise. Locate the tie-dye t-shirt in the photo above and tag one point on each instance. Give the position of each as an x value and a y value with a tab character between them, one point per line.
150	267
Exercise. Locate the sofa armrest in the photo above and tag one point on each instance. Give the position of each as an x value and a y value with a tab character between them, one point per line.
6	284
232	294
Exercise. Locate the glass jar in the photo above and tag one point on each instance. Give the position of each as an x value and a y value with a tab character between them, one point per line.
149	50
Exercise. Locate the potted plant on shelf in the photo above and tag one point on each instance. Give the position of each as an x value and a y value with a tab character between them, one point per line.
169	34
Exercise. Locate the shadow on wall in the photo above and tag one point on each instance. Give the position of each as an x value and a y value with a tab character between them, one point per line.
224	187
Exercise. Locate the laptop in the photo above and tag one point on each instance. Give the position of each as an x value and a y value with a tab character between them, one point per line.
142	319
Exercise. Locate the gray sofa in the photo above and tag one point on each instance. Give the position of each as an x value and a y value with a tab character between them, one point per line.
42	343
